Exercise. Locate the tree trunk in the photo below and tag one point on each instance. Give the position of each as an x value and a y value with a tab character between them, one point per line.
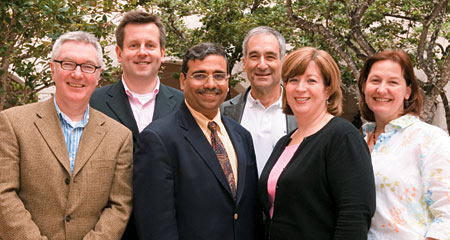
446	108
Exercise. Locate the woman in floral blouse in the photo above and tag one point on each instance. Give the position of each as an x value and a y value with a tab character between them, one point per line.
411	159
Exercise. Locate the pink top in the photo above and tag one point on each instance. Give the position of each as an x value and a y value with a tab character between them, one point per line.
276	171
142	105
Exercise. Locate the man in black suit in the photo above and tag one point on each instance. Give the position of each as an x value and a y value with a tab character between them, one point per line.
185	185
138	97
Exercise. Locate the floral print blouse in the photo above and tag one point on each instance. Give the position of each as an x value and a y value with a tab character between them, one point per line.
411	162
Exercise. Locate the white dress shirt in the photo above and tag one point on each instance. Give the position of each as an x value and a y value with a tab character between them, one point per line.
266	125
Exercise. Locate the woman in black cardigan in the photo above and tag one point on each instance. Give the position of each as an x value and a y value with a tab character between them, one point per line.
318	182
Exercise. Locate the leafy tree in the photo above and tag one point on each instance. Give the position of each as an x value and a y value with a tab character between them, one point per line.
354	30
29	28
351	30
222	22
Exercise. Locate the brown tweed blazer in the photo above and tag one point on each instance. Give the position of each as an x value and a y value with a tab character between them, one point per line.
39	199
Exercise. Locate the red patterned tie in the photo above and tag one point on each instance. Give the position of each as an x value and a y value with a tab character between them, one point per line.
222	155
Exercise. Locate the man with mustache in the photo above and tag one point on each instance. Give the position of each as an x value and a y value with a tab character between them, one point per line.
195	173
259	108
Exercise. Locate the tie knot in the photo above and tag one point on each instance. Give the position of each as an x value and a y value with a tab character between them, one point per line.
212	126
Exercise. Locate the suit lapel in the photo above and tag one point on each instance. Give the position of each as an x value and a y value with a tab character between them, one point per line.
164	103
241	155
119	104
92	136
198	141
48	124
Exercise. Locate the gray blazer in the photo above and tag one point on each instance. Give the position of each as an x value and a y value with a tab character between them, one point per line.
234	108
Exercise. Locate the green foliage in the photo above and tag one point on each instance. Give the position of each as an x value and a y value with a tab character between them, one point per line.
30	27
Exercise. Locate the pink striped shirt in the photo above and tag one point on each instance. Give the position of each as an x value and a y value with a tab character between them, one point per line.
276	171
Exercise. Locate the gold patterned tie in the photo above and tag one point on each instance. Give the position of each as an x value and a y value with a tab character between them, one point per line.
222	155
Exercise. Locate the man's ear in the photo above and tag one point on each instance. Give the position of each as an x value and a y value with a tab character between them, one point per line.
163	50
119	53
182	79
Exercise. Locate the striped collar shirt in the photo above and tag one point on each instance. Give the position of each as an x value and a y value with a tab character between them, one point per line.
72	132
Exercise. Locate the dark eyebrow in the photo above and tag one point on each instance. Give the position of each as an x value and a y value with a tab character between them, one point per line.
203	71
71	60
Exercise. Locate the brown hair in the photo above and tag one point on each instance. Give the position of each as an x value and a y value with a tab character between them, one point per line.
414	102
140	17
295	64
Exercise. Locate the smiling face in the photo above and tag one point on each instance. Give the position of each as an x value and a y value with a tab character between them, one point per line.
306	94
385	90
75	87
262	62
205	96
142	54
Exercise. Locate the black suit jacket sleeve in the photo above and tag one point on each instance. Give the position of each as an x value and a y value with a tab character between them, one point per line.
152	165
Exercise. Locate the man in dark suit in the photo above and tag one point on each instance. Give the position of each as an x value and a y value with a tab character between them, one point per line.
259	108
195	173
139	97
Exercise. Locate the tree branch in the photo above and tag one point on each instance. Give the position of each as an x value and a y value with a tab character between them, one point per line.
329	37
255	6
423	38
330	5
431	45
355	26
401	17
446	108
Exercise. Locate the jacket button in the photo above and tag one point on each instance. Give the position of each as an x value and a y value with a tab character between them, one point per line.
68	218
67	181
236	216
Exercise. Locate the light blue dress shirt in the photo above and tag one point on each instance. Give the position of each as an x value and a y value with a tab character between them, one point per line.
72	132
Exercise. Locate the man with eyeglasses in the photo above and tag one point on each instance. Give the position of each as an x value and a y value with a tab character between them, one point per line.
66	168
195	174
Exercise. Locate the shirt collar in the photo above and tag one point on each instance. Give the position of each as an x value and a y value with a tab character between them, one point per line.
255	102
396	124
203	121
136	96
65	118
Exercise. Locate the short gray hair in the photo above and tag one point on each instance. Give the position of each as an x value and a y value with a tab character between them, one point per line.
78	36
261	30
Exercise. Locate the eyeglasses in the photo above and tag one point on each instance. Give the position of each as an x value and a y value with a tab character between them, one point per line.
85	67
203	77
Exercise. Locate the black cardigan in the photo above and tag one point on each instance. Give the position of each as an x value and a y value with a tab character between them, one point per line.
326	191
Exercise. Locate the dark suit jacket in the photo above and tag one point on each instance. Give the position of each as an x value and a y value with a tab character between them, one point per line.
180	190
113	101
234	108
327	189
41	199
